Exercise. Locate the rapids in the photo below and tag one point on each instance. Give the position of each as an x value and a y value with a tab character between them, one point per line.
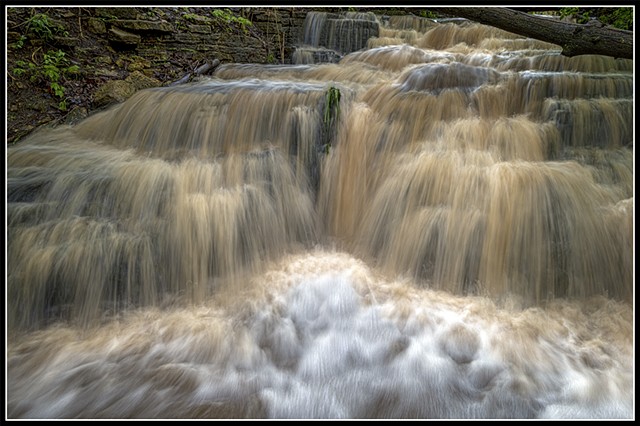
457	244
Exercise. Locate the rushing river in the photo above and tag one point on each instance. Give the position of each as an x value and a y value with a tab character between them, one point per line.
451	238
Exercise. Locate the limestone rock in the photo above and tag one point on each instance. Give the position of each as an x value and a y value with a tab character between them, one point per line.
112	92
117	12
138	25
119	36
140	81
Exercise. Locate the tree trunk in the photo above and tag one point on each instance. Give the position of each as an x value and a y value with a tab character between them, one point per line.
575	39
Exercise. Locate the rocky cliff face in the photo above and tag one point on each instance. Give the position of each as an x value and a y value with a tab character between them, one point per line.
64	63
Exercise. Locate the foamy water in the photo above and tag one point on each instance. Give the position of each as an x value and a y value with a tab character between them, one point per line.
321	336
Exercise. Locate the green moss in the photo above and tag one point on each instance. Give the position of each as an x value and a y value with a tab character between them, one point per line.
331	114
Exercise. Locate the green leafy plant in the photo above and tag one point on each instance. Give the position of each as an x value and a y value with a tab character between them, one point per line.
428	14
581	16
19	44
226	16
53	68
23	67
41	26
568	11
621	17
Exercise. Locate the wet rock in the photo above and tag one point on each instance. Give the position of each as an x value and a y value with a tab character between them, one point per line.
436	78
76	115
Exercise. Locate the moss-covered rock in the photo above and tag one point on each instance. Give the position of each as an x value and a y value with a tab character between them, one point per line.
140	81
112	92
96	26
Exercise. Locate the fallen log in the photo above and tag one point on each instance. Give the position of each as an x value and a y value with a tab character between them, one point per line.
203	69
207	67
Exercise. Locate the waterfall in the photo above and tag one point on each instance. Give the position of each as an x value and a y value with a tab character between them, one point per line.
329	36
457	242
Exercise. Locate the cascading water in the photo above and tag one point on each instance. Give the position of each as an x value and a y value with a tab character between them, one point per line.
458	245
329	36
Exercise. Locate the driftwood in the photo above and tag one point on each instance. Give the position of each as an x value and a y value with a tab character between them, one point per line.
209	66
185	78
575	39
201	70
